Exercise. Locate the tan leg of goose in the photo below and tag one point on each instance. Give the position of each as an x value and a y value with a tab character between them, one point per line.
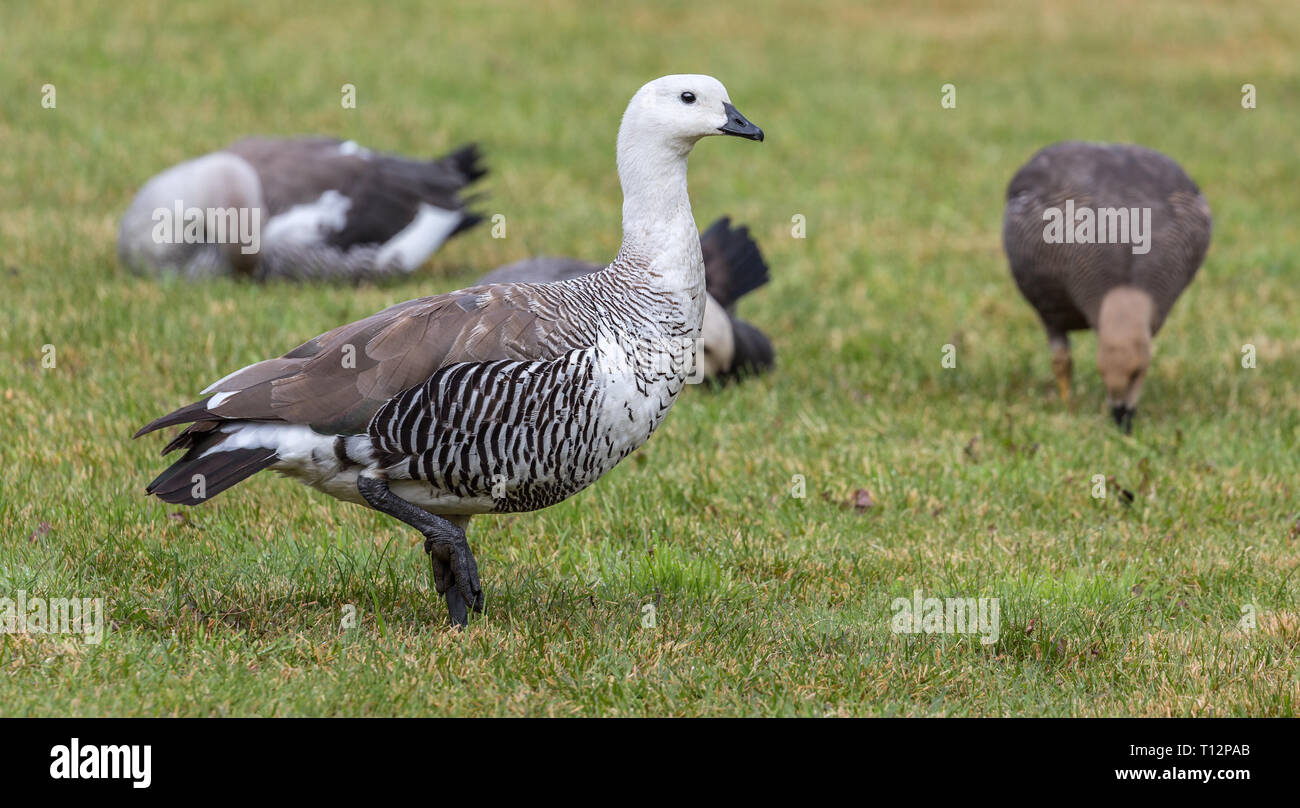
1062	365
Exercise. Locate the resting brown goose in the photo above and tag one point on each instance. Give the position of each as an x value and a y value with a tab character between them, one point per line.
491	399
1106	237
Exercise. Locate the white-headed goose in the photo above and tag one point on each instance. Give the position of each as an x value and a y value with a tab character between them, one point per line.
490	399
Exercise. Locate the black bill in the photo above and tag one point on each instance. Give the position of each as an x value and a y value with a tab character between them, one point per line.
739	125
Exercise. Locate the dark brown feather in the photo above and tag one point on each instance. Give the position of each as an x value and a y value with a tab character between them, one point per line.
218	470
733	263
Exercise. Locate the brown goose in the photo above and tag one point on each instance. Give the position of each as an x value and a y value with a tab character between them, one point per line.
730	348
491	399
1104	236
298	208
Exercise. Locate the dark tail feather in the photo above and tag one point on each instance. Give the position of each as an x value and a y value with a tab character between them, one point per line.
753	351
467	161
733	264
195	479
470	219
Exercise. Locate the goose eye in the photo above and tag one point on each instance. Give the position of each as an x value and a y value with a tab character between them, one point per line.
688	97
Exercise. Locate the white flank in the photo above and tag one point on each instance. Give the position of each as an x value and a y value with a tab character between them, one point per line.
307	224
418	240
294	443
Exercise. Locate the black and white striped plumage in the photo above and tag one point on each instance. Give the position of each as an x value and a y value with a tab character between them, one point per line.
326	209
733	267
489	399
431	366
493	441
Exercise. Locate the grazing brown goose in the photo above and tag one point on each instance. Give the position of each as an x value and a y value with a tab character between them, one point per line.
730	348
491	399
1104	236
297	208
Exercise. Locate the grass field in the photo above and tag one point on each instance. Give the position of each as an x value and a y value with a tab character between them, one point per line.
766	603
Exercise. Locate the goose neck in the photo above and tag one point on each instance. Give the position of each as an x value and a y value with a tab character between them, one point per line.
656	205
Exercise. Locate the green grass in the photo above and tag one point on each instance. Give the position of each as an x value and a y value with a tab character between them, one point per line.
766	604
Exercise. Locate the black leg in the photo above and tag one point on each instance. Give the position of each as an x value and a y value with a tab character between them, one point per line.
455	572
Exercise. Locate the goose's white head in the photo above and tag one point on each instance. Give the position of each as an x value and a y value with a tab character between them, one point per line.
676	111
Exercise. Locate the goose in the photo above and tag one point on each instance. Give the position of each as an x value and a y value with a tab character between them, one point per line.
298	208
730	348
490	399
1105	237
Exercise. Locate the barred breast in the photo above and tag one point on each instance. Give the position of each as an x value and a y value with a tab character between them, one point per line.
512	436
507	435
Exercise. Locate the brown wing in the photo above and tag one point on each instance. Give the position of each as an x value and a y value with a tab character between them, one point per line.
337	381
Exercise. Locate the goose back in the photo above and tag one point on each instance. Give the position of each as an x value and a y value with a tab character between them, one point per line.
1066	282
